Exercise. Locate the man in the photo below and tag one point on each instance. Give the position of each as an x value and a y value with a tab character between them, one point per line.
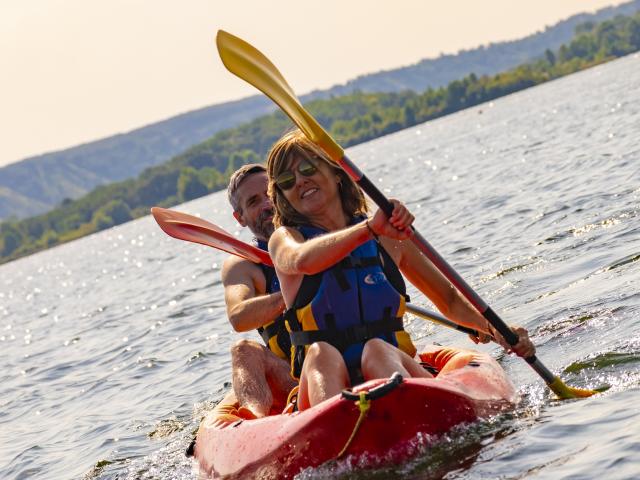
260	375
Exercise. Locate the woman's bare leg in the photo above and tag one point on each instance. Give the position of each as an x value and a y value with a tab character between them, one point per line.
324	374
381	359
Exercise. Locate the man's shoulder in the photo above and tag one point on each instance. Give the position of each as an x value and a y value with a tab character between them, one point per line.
234	265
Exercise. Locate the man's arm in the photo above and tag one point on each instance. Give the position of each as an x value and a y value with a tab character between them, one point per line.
248	307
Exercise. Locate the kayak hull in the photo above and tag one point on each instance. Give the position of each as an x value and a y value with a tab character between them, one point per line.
416	411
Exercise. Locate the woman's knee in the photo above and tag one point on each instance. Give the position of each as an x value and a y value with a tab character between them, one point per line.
377	348
322	350
380	358
377	345
323	357
377	351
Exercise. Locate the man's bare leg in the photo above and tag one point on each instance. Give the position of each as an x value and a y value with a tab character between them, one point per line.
260	379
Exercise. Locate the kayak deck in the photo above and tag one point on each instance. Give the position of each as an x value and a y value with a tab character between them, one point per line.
470	386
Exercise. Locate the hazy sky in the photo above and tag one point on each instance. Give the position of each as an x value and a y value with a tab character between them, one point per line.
73	71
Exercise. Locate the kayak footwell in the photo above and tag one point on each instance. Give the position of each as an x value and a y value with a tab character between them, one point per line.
469	386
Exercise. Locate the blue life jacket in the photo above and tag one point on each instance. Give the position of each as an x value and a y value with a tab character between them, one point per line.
361	297
274	334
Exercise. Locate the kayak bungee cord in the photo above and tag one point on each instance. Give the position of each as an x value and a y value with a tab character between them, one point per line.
363	402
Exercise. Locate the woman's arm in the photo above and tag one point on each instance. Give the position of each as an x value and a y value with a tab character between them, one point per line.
293	255
425	277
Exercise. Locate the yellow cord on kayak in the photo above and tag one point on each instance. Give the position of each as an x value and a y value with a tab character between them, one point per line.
363	405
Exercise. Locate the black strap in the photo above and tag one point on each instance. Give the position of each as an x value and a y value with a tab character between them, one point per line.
271	280
430	368
341	339
271	330
341	278
378	392
359	262
392	272
291	318
351	263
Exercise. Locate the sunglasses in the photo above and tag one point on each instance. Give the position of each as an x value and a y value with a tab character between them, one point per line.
287	179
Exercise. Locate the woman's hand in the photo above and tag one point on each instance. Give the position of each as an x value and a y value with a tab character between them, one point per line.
396	226
524	348
480	338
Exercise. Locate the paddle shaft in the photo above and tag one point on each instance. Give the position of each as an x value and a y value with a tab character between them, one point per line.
441	264
434	317
193	229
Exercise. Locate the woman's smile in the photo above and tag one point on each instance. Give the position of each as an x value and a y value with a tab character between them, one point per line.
309	191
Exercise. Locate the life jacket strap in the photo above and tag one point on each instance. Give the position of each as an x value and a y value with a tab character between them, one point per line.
269	331
341	339
351	263
359	262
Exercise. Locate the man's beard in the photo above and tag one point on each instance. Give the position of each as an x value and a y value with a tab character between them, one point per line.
263	227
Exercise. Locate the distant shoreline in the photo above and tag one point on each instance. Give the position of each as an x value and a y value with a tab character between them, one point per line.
352	119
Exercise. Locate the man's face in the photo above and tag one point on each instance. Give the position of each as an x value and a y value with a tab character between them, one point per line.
256	210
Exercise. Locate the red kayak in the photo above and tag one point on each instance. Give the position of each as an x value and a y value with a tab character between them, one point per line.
402	413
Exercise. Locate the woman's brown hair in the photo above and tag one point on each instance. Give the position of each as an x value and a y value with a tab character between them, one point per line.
295	143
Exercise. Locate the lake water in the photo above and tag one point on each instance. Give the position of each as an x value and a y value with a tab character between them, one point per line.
113	346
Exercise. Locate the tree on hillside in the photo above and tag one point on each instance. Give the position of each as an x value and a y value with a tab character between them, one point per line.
190	185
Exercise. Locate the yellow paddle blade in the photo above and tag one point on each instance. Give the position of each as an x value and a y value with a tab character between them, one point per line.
565	392
246	62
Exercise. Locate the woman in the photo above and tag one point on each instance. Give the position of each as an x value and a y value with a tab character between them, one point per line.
338	272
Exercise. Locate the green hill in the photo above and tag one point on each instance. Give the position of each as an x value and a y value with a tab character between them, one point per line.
352	119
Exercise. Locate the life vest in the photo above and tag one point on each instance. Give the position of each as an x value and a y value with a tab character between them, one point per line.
274	334
361	297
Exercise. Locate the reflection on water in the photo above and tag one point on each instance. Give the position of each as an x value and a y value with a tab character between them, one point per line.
114	346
